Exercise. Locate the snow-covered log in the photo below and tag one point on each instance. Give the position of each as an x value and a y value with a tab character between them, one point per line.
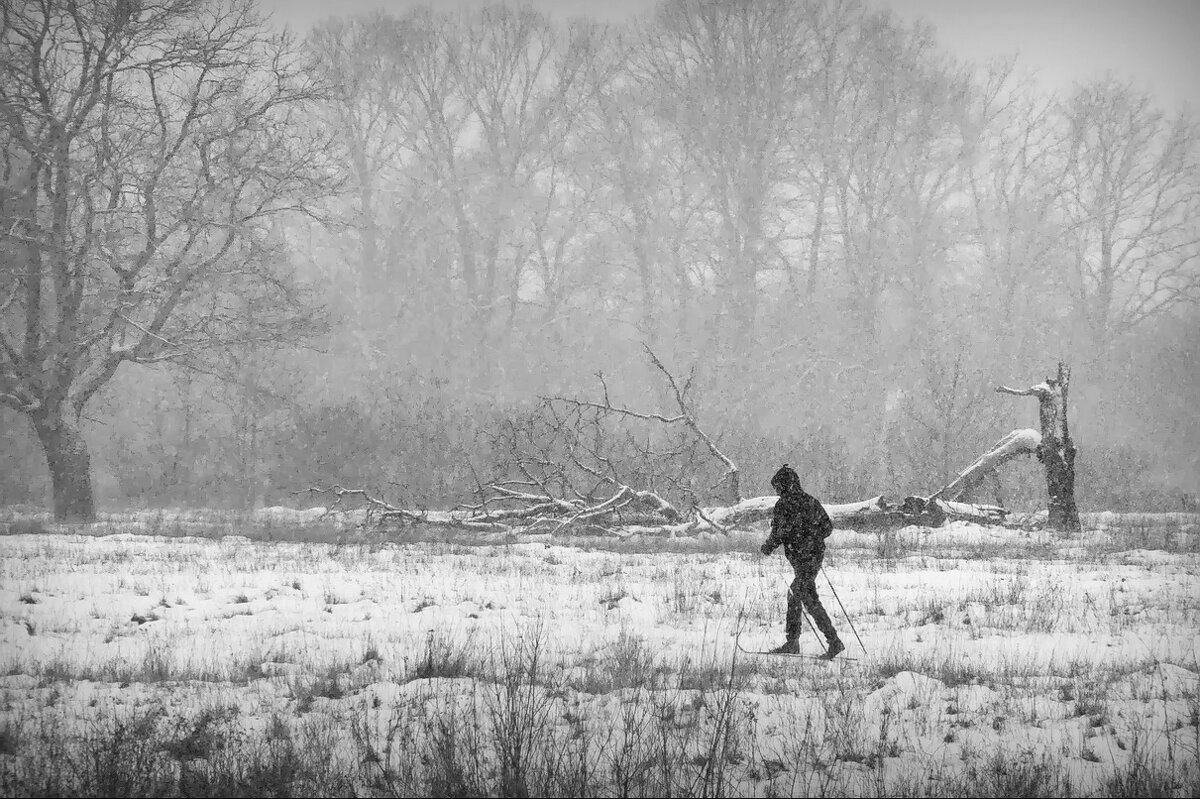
532	511
981	514
757	509
868	514
646	510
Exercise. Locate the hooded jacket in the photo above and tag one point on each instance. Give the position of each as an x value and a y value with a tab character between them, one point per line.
798	522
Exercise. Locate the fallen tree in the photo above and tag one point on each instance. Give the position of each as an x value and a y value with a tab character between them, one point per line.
629	511
566	470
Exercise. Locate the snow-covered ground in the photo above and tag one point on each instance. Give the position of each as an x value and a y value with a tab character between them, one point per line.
995	660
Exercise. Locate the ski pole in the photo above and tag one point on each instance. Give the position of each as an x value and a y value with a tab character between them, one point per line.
811	625
843	607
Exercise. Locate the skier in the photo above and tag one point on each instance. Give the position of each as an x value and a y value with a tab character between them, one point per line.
801	525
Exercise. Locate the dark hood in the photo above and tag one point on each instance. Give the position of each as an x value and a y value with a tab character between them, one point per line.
786	481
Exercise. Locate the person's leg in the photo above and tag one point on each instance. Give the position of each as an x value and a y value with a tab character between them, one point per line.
806	580
798	596
794	625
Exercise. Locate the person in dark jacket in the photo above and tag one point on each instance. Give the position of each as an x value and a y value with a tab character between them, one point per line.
800	524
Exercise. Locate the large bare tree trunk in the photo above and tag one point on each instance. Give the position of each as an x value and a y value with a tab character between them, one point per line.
69	464
1057	451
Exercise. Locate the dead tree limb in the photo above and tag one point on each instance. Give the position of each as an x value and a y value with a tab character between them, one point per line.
1018	442
686	417
381	513
375	506
689	418
560	471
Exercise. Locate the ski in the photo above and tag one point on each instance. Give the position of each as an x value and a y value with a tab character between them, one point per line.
792	654
801	655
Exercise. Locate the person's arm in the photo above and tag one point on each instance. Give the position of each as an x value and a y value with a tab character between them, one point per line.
776	536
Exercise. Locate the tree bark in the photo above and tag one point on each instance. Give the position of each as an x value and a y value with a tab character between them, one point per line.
1058	455
69	464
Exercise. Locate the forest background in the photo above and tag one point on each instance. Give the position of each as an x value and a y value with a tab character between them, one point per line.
844	235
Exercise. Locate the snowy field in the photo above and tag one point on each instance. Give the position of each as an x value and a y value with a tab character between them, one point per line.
164	654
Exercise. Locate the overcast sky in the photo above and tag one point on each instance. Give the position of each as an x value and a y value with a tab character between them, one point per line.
1155	43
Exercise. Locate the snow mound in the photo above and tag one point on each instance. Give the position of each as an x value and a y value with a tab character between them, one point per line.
272	668
908	689
281	515
1163	681
635	612
1149	557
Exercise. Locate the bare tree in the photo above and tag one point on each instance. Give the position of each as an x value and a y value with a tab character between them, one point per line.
865	137
894	152
838	49
368	239
146	148
366	112
1015	150
647	194
727	75
494	94
1132	198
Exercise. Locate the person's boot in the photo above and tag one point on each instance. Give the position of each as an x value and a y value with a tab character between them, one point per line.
835	648
790	647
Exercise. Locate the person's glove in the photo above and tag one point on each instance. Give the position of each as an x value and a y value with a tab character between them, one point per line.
766	550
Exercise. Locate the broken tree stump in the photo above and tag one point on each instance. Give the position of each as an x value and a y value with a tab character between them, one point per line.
1057	450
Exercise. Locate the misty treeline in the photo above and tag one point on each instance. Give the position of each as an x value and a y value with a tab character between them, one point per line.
365	258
